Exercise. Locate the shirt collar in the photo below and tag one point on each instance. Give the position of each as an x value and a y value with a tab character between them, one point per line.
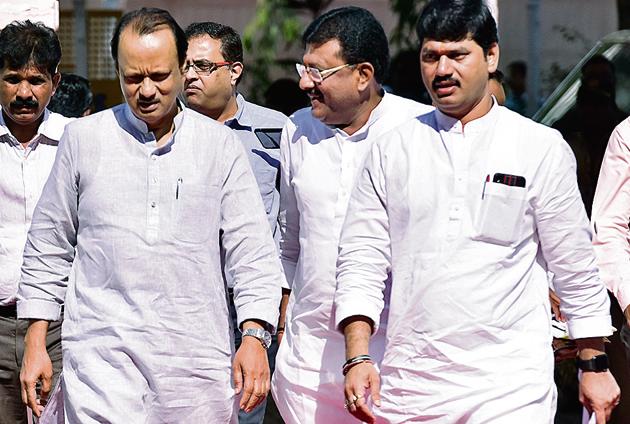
49	128
241	118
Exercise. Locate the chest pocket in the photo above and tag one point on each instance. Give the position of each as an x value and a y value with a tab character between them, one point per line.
499	217
197	212
266	179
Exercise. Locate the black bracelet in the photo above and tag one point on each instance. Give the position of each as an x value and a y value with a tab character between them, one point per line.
358	358
280	329
351	365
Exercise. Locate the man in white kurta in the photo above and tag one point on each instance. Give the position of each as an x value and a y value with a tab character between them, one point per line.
128	234
319	168
467	208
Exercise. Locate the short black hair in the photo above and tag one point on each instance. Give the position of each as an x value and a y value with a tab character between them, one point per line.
360	35
231	45
147	21
72	97
456	20
26	43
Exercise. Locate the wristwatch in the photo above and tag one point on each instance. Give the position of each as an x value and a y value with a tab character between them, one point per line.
597	363
262	335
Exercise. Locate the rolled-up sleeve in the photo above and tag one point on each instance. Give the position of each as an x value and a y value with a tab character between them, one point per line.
565	240
611	213
250	253
364	259
49	249
289	215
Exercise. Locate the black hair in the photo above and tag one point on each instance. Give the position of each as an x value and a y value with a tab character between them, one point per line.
28	43
231	46
456	20
72	97
360	35
147	21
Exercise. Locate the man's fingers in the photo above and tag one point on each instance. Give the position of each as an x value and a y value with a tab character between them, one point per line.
255	397
238	378
248	388
31	395
600	416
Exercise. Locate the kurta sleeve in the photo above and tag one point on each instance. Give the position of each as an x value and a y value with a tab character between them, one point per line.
289	216
364	259
49	249
611	213
565	241
250	253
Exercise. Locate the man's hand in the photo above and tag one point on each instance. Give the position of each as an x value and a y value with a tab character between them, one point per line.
626	313
599	393
555	306
361	380
251	372
36	366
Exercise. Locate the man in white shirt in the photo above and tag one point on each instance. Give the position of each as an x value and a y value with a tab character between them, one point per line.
467	208
29	133
128	233
214	67
322	148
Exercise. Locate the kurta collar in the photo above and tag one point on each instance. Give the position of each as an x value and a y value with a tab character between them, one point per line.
448	123
138	128
361	134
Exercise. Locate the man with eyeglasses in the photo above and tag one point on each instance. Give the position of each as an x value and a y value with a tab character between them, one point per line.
213	69
322	147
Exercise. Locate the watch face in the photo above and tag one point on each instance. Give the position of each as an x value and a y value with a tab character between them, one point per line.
267	339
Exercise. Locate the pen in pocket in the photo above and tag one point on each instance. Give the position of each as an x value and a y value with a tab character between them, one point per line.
179	183
483	192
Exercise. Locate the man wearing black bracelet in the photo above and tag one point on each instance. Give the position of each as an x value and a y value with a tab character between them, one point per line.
467	208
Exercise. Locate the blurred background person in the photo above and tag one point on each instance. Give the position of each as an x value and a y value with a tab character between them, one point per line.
73	98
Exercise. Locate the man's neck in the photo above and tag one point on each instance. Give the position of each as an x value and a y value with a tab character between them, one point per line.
479	110
23	133
228	111
362	115
164	131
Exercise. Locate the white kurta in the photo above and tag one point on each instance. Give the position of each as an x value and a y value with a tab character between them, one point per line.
146	334
319	169
468	335
611	215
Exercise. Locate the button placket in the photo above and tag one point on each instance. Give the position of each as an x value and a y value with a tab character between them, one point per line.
153	198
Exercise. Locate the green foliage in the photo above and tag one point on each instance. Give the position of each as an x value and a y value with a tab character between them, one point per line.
277	27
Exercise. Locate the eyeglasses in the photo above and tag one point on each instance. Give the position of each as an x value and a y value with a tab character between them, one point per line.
318	75
204	67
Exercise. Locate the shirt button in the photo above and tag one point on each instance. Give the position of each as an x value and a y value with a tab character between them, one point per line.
155	180
153	157
153	204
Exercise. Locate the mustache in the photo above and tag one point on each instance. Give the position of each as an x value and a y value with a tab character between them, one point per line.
441	80
25	103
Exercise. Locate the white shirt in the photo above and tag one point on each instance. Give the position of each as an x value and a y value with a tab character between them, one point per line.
127	234
23	172
469	333
611	214
319	165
